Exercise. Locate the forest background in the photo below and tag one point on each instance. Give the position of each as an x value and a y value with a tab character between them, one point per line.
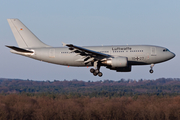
77	99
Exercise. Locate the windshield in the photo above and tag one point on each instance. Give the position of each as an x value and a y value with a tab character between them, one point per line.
165	50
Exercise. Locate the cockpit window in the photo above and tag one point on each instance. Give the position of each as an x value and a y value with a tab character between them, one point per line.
165	50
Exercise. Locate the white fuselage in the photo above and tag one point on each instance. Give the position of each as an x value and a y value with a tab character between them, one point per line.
136	54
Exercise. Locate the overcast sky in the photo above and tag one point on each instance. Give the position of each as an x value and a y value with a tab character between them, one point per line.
90	22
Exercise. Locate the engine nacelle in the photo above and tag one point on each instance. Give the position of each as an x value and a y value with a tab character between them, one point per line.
117	62
124	69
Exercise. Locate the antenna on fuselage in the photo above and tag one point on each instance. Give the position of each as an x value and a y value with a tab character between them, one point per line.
64	44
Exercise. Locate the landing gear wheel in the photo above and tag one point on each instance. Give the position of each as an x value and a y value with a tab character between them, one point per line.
92	70
151	71
96	71
95	74
100	74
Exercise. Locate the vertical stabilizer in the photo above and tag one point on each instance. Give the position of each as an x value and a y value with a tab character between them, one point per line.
24	37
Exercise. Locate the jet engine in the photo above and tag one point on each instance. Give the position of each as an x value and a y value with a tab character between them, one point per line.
117	62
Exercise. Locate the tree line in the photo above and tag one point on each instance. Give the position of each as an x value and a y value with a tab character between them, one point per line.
102	88
92	100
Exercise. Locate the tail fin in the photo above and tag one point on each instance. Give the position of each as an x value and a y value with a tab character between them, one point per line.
24	37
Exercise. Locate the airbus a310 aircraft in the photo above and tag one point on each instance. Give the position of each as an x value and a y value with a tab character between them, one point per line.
119	57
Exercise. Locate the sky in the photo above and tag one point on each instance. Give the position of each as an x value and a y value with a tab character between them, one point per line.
89	23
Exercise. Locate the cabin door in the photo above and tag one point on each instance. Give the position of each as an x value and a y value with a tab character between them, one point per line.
153	51
52	53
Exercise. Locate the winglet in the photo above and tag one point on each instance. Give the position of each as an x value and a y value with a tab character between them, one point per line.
64	44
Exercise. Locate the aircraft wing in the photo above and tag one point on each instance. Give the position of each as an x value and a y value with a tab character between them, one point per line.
88	54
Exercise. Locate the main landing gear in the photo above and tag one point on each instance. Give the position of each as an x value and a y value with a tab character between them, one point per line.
151	70
96	71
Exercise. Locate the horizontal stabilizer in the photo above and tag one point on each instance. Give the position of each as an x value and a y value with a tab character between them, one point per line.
19	49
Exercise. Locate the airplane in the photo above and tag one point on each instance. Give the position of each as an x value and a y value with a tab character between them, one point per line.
120	58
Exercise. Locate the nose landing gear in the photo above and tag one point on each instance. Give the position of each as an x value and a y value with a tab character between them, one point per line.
151	70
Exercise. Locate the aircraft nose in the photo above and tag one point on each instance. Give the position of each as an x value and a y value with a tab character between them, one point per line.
172	55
